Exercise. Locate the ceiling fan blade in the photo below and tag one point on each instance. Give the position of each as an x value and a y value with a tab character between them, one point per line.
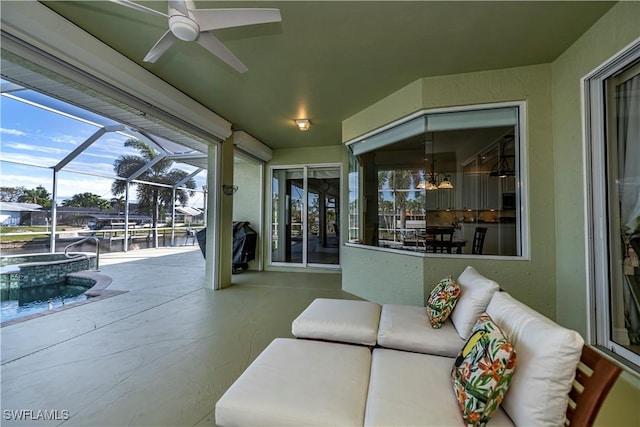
215	46
160	47
180	6
139	7
214	19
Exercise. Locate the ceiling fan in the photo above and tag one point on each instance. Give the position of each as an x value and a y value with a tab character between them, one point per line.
190	24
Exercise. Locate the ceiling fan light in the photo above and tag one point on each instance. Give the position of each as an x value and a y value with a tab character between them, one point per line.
184	28
303	124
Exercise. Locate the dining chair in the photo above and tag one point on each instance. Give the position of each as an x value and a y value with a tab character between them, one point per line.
478	240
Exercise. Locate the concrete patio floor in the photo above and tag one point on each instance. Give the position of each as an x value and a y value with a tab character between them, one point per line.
160	354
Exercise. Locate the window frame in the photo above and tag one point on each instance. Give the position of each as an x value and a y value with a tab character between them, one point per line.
304	167
597	182
522	203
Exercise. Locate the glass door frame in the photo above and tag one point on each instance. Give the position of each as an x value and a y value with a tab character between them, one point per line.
305	211
601	329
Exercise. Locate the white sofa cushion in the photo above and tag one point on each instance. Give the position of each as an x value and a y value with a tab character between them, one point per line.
406	327
548	355
349	321
299	383
411	389
475	293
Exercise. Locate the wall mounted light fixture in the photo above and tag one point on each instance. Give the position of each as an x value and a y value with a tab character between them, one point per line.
303	124
229	189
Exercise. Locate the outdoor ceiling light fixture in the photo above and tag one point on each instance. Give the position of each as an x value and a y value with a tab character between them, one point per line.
229	189
303	124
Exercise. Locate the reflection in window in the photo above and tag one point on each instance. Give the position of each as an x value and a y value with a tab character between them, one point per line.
616	209
305	213
445	182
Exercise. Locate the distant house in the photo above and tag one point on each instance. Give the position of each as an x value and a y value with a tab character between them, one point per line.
96	218
187	214
13	213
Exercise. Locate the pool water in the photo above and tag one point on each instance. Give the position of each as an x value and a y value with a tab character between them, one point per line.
16	303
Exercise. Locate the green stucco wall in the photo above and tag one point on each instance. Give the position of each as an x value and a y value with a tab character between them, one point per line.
312	155
246	201
531	280
394	278
618	28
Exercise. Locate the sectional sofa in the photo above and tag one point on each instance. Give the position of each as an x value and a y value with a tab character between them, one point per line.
360	363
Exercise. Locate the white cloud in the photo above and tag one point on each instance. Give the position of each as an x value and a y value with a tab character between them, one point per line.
102	169
29	159
68	184
14	132
31	148
34	178
84	184
68	139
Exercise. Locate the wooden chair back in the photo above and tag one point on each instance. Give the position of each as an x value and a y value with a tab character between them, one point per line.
478	240
438	239
594	378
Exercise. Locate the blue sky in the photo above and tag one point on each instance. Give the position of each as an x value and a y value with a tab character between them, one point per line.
32	136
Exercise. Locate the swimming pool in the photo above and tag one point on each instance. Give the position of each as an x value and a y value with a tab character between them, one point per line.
20	302
43	283
20	271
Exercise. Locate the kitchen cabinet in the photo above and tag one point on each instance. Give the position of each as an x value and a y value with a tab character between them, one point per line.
471	191
443	198
492	192
481	191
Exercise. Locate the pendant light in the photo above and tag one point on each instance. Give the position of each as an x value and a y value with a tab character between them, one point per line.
502	168
431	182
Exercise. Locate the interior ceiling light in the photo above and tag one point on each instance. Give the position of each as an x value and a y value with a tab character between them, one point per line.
502	168
303	124
431	182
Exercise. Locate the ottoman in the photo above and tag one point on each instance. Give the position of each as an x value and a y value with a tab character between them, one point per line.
299	383
349	321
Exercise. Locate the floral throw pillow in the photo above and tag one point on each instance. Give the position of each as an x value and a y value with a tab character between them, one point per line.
482	372
441	301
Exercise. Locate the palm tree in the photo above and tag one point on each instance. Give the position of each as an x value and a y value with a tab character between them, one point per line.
403	179
38	195
87	200
117	203
151	197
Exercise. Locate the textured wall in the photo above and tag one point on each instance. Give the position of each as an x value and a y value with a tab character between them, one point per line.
618	28
383	277
246	201
531	281
613	32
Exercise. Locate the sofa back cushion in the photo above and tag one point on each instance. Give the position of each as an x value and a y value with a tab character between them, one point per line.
475	293
548	355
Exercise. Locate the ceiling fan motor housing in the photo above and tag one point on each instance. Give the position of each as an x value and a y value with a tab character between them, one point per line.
184	27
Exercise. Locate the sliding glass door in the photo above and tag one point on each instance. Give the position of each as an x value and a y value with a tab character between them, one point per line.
305	212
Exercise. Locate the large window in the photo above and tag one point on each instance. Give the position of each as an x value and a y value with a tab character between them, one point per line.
441	182
613	143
